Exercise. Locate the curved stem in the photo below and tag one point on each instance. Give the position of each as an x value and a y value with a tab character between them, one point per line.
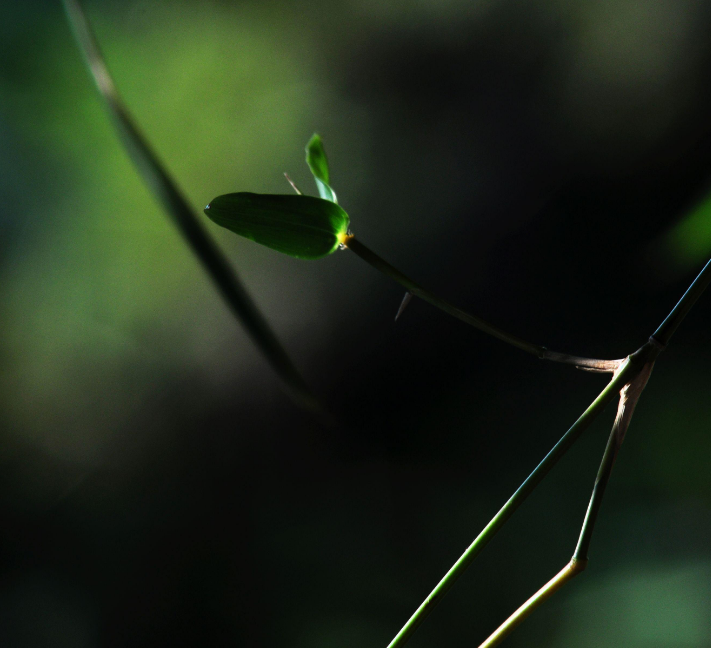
627	371
166	191
353	244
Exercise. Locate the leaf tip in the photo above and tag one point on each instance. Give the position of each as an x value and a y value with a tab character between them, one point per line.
318	164
315	139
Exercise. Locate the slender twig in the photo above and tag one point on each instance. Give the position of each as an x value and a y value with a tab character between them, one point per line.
573	568
593	364
632	376
669	325
627	371
629	396
167	192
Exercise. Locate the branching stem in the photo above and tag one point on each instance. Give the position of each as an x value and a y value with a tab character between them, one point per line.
629	369
629	395
629	380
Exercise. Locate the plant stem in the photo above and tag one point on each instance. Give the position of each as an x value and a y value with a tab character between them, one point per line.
670	324
627	371
573	568
629	396
174	203
580	558
629	379
537	350
614	442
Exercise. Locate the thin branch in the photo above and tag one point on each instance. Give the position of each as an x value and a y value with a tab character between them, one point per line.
679	312
627	372
578	563
606	366
572	569
586	364
629	396
182	215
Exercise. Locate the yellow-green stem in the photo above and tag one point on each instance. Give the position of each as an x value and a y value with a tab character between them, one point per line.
627	371
573	568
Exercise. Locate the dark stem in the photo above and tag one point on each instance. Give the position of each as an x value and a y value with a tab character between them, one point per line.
679	312
603	477
353	244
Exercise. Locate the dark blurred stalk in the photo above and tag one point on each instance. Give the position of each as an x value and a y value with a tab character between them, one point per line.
183	216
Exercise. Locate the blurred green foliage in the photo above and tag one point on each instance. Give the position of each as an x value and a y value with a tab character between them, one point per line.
105	259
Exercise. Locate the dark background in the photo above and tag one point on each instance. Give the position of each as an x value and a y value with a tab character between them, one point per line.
541	163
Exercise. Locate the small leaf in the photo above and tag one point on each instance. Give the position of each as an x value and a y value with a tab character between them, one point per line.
300	226
316	159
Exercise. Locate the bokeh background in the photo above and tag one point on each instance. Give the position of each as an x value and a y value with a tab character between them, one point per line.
542	163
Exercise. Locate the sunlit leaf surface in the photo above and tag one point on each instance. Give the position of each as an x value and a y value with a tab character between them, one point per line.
300	226
318	163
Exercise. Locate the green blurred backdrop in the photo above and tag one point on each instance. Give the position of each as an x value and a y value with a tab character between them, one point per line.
542	163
